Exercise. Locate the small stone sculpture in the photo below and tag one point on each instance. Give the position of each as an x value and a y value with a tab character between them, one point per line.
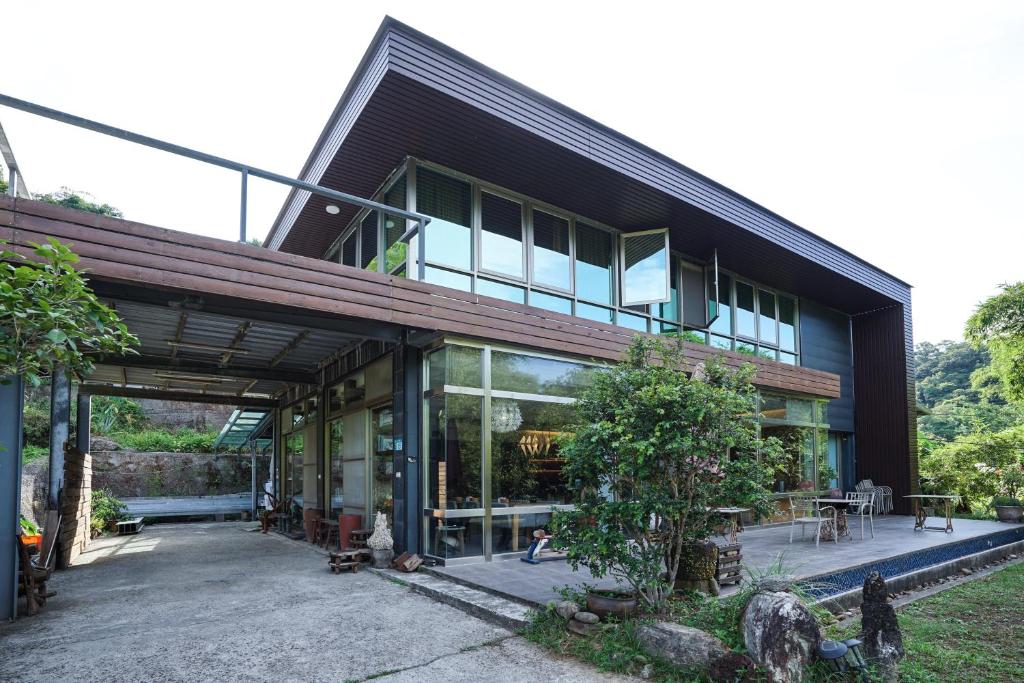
381	543
883	642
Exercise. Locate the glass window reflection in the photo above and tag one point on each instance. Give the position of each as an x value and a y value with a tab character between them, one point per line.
448	202
551	250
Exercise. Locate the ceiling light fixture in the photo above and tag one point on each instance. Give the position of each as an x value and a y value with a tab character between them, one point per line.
332	209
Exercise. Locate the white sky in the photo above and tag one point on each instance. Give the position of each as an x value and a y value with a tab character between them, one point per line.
895	130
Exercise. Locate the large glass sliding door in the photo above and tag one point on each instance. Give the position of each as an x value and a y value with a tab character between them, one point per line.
492	472
382	463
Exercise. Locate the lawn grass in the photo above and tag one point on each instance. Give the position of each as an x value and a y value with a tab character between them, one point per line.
974	632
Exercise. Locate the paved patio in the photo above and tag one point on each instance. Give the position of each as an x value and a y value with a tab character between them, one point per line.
762	547
215	602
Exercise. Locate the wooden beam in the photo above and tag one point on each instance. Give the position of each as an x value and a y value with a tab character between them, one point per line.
170	395
288	348
199	368
245	390
182	320
240	333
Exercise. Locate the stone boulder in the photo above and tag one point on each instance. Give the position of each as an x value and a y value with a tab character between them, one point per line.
781	635
686	647
567	609
102	443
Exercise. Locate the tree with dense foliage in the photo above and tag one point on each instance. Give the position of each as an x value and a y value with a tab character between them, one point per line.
977	466
999	324
653	452
50	318
956	384
82	201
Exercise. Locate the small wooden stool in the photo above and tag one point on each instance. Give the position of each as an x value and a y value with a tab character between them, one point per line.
346	560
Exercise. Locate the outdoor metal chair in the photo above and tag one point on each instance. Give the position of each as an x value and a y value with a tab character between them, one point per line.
883	495
862	504
811	515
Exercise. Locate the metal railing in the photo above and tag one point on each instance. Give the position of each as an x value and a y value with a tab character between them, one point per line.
420	221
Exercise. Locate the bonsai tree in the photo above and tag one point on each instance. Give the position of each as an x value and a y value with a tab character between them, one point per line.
49	317
653	452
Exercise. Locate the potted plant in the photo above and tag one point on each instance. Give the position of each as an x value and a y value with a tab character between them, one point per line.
30	533
605	602
382	546
1008	508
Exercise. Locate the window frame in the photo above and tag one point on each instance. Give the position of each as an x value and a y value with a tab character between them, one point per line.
623	236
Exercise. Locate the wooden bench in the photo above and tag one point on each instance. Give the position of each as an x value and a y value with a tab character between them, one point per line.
129	526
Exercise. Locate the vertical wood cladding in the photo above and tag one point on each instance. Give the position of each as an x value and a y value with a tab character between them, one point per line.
884	395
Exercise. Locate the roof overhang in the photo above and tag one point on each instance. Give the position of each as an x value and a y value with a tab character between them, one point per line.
414	96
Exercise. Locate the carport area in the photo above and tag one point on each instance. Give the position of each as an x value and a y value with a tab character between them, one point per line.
188	602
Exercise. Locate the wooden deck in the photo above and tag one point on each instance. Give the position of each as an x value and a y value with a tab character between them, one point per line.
141	255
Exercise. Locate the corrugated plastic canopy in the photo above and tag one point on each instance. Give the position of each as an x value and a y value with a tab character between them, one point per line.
243	424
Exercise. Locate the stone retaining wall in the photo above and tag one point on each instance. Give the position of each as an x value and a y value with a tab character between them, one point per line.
131	474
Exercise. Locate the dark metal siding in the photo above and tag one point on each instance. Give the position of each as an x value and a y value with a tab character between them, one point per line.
463	88
884	392
428	61
825	345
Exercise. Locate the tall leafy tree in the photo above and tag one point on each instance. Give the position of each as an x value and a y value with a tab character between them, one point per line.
955	383
999	324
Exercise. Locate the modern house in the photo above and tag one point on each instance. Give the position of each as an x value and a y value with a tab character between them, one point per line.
556	239
426	369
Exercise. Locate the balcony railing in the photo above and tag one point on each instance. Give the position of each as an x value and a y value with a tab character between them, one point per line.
17	188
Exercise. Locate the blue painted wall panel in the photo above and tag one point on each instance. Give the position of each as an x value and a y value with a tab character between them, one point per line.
825	345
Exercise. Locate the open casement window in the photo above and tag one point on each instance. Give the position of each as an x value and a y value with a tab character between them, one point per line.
645	267
714	299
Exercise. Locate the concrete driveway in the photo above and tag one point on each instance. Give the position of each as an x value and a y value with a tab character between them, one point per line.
215	602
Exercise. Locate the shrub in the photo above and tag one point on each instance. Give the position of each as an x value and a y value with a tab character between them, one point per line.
105	510
1005	501
35	424
31	453
652	454
977	466
182	441
115	414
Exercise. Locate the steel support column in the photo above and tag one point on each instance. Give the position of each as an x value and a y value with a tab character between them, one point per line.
11	399
407	403
83	423
253	448
60	415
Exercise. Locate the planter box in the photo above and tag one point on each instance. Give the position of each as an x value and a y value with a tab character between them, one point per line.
1009	513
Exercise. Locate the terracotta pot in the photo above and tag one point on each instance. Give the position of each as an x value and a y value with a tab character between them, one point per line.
346	525
1009	513
611	603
